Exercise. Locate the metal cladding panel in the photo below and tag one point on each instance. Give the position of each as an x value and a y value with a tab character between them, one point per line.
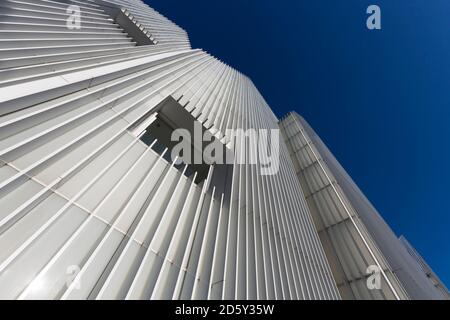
89	210
160	28
353	233
349	247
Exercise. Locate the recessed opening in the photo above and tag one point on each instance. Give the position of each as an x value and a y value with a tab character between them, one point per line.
162	122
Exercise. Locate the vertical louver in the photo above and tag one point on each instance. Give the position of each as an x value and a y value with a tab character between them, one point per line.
91	211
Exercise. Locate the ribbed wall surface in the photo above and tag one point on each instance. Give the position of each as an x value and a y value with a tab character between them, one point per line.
353	233
163	30
35	42
79	191
349	247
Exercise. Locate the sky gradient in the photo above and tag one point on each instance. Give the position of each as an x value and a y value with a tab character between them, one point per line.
379	99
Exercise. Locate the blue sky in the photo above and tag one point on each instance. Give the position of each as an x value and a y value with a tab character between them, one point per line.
379	99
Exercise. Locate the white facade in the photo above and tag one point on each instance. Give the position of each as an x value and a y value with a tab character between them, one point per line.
90	211
92	206
353	233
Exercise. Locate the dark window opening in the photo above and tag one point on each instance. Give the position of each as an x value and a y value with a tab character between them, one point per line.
167	117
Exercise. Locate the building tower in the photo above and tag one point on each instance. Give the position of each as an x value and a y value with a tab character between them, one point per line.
354	235
94	205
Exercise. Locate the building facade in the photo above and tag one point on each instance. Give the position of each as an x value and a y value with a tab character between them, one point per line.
356	239
95	206
424	270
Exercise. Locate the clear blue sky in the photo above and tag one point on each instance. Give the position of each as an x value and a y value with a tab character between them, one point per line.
380	99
